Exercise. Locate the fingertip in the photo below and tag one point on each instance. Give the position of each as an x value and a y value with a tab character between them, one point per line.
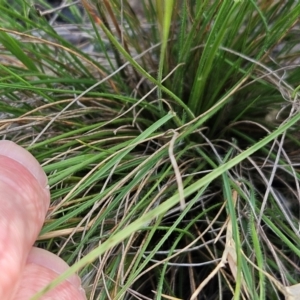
52	262
36	278
22	156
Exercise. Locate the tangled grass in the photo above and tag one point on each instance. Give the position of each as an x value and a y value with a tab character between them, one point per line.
169	133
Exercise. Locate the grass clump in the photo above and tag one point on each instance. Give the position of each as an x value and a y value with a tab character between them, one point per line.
169	133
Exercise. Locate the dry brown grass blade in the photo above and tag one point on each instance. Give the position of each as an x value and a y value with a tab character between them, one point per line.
38	40
229	255
115	22
91	10
290	292
176	170
167	296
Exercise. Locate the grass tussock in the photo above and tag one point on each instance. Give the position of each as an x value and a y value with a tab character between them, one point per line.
169	133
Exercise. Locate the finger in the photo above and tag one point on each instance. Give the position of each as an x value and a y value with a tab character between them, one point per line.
24	200
41	268
19	154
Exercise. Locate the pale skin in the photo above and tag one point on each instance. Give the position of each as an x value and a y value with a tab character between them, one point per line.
24	201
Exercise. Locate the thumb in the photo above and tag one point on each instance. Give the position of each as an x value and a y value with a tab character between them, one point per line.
24	200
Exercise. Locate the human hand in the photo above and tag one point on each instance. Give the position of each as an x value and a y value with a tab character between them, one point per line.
24	201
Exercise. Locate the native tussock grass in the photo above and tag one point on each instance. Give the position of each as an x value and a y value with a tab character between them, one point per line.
169	133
